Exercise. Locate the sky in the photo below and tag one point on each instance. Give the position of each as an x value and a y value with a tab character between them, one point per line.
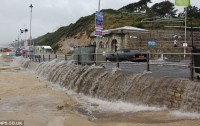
49	15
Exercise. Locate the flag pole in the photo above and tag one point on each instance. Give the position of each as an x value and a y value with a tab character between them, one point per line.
185	30
185	22
97	43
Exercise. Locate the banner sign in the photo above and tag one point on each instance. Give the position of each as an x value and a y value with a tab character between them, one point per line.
184	44
182	2
25	43
98	23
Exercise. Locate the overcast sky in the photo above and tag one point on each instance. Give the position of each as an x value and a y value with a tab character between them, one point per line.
48	15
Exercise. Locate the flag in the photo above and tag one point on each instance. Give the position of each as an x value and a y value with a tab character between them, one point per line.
182	2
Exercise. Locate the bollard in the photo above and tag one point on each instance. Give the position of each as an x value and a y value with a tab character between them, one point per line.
49	57
65	57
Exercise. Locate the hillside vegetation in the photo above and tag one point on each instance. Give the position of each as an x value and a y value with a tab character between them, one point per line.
142	17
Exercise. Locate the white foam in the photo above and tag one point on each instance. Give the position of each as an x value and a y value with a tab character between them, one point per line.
185	115
120	106
94	104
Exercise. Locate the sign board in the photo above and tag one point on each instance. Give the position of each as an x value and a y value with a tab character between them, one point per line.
134	37
184	44
98	23
25	43
71	45
151	43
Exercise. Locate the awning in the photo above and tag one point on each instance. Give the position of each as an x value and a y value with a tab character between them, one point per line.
47	47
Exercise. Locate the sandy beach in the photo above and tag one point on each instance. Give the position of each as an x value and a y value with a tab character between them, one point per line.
24	96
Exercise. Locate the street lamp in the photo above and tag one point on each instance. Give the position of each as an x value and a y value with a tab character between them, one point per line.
21	31
25	30
31	6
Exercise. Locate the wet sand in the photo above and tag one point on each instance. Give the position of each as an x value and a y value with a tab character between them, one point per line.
24	97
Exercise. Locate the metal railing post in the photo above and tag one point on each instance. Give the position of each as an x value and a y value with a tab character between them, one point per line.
78	59
43	58
65	57
55	56
94	55
192	68
117	60
49	57
33	57
148	65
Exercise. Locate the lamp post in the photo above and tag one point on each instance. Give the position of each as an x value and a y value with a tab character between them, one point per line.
21	31
31	6
99	6
25	30
15	43
25	43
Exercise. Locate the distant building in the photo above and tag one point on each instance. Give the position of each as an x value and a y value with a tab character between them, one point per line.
119	38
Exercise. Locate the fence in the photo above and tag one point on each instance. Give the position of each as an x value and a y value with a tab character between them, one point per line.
45	57
174	57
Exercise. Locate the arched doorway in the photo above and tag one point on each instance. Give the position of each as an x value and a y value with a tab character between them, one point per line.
114	45
101	45
94	43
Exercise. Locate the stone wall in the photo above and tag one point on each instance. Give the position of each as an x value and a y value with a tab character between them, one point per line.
163	38
175	97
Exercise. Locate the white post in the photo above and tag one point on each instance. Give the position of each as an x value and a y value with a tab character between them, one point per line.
185	29
97	44
31	6
99	6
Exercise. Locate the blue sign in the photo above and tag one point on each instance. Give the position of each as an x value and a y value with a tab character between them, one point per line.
98	23
151	43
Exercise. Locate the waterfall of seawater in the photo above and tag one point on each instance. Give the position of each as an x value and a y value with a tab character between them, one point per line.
116	85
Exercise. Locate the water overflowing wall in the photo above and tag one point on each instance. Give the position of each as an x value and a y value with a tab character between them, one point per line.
113	85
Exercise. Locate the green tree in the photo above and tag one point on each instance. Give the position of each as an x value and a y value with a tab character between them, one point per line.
139	6
164	9
193	11
142	5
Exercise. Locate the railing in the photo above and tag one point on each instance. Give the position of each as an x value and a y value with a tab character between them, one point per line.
82	59
46	57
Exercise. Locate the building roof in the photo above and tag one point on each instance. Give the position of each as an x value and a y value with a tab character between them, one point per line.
124	29
130	28
47	47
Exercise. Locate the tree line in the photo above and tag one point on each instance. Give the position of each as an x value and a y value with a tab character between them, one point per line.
164	9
